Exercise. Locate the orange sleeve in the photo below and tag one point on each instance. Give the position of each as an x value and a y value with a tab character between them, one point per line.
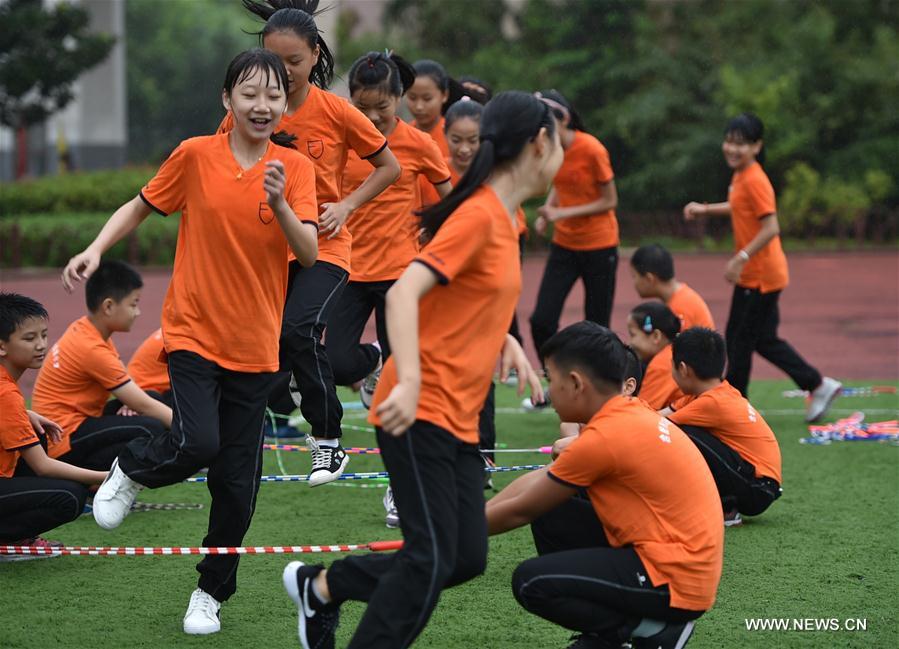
227	123
680	403
361	134
584	462
658	386
602	165
301	190
165	191
15	428
429	195
699	412
433	165
104	367
761	197
457	241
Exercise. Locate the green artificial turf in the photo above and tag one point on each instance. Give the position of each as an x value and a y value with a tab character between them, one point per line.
826	549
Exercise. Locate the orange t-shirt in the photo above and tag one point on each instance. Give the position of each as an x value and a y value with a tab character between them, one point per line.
732	419
146	368
584	170
438	134
327	127
692	310
463	321
751	198
75	380
385	230
658	388
230	276
16	432
429	196
652	490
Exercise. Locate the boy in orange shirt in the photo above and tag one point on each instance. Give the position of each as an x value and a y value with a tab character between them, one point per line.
737	444
55	495
148	371
652	269
652	326
758	270
84	368
652	564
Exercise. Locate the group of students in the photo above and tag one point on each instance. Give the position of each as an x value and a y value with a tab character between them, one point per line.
316	212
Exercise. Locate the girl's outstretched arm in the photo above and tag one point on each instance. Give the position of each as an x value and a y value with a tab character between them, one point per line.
122	223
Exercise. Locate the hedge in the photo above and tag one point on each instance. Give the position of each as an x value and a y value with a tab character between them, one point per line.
93	191
50	240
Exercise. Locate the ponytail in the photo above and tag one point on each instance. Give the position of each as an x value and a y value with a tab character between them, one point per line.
385	70
296	16
445	83
509	121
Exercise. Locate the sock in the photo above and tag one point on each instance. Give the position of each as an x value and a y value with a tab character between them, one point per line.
648	628
330	443
319	600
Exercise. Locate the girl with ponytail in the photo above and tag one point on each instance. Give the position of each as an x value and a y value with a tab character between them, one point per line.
326	128
447	318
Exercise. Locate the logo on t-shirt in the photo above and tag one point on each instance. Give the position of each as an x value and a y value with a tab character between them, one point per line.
265	213
664	434
316	148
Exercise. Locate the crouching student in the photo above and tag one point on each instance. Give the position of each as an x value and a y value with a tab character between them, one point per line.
84	369
737	444
652	269
652	565
652	327
30	506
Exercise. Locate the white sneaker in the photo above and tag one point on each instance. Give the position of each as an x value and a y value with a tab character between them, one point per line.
202	617
114	498
392	519
367	391
328	462
294	391
821	398
530	406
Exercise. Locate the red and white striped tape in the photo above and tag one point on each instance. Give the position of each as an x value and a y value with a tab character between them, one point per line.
76	550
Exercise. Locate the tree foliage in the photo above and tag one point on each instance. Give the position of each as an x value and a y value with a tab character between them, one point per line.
43	50
657	81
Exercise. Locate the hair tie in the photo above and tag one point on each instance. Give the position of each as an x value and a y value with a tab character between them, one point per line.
647	324
371	63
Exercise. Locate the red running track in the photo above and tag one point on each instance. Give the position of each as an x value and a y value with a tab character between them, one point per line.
841	310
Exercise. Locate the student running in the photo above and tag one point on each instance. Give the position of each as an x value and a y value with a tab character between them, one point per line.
55	492
221	368
447	318
736	442
643	561
581	208
758	270
83	369
652	270
326	128
652	327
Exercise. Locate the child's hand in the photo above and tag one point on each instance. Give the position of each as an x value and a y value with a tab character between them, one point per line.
693	210
274	183
734	269
125	411
44	426
560	445
333	218
513	357
397	411
79	268
540	225
549	212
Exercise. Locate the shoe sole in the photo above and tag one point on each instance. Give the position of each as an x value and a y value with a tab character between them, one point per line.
837	392
328	476
684	636
289	579
202	631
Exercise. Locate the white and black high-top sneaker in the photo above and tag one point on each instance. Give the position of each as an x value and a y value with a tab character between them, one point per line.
328	462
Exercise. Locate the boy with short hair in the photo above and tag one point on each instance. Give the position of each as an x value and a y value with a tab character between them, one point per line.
657	565
737	444
652	269
84	367
30	506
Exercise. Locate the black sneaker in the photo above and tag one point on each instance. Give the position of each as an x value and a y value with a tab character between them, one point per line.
317	622
673	636
328	462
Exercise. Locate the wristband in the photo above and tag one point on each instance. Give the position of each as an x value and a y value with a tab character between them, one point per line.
743	255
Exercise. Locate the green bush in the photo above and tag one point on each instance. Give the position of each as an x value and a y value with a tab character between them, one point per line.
50	240
94	191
